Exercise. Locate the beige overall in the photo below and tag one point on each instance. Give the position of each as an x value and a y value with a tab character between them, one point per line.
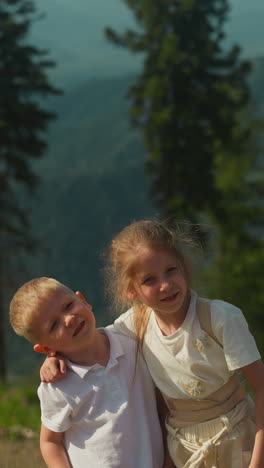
214	432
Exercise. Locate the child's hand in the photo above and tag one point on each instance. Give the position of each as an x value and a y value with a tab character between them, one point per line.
53	369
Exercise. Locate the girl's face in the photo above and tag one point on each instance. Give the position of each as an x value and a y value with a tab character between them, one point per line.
159	282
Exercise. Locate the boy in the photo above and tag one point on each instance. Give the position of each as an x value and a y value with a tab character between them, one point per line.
103	413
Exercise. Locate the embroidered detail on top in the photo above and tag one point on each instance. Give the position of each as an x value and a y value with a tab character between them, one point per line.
202	343
195	388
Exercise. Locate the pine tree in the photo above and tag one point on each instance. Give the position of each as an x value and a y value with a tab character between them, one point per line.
192	103
23	121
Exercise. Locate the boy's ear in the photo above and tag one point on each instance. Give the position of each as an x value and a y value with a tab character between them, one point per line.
131	294
44	349
80	296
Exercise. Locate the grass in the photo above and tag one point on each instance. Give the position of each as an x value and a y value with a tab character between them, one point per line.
21	454
19	406
19	425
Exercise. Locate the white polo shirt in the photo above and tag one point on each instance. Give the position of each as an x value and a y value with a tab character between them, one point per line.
108	419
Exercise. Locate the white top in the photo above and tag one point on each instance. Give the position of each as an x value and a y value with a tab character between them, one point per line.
109	420
189	363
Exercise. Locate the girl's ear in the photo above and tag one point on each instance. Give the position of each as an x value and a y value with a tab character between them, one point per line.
44	349
131	294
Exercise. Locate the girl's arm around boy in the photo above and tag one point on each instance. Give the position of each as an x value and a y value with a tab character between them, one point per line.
52	448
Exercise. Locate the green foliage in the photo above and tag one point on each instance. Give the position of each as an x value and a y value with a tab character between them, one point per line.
236	275
22	124
100	188
23	120
189	100
19	409
192	102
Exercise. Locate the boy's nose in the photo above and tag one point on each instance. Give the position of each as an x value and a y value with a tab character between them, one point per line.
69	320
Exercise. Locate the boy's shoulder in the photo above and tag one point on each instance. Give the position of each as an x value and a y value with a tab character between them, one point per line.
69	387
119	341
125	323
79	378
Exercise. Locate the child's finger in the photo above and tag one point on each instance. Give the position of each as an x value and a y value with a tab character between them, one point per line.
44	376
57	365
62	366
50	375
54	366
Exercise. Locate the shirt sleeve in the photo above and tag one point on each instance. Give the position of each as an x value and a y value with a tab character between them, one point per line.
55	409
125	324
231	329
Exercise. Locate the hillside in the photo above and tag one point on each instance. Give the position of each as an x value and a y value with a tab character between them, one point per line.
93	183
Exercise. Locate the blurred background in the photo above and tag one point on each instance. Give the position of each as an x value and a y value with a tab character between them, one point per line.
111	113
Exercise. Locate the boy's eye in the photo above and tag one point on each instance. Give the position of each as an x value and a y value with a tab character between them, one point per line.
53	326
171	269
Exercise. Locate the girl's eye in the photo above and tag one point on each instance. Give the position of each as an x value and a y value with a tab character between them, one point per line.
148	280
68	305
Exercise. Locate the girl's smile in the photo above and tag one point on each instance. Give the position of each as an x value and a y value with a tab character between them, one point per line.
169	298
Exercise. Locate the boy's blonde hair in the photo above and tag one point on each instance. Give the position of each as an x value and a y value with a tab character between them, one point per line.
123	253
26	301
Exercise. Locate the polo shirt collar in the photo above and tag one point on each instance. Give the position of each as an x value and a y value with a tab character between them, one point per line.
116	350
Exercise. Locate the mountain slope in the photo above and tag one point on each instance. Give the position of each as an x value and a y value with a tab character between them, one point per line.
93	183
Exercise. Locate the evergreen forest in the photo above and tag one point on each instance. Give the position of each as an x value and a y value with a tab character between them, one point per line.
92	183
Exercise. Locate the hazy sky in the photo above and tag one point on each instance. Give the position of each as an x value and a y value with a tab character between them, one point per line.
73	33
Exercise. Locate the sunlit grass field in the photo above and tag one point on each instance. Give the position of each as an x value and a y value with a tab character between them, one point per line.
19	425
20	454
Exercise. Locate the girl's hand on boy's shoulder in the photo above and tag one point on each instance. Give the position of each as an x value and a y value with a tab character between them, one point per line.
53	369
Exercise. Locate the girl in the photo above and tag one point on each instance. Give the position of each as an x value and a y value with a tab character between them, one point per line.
194	349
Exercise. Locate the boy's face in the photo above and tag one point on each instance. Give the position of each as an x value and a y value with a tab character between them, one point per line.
64	323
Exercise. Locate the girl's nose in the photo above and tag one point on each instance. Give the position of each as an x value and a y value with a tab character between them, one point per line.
69	320
164	285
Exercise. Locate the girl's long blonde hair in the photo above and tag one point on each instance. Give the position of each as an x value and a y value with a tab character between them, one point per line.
124	249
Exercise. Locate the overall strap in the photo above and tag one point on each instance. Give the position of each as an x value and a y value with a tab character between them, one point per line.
203	311
185	412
